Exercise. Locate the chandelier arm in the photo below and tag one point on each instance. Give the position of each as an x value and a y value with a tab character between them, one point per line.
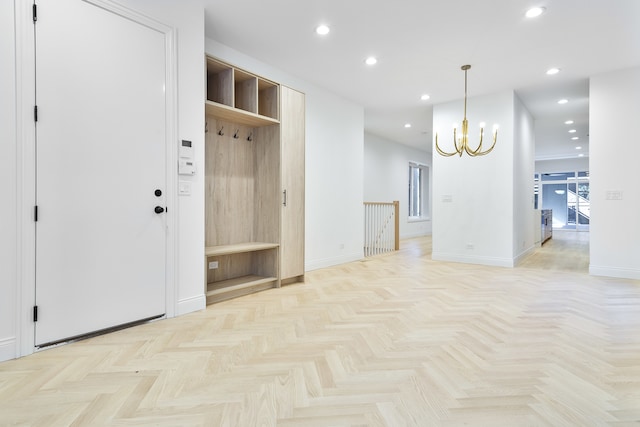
458	143
478	148
495	139
443	153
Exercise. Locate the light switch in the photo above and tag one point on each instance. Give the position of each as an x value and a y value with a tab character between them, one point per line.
184	188
614	195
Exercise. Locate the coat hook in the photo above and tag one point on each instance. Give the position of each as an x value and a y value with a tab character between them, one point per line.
250	137
235	135
220	131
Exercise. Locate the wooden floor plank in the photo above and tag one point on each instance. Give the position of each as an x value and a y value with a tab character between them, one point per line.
393	340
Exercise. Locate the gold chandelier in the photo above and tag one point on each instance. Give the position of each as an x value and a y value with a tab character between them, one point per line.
462	144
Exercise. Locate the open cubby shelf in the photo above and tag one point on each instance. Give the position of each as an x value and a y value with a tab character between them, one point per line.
241	91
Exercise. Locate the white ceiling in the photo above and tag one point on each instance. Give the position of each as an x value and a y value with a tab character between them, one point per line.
421	44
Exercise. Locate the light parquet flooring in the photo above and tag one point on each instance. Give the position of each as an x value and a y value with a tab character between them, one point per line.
395	340
567	250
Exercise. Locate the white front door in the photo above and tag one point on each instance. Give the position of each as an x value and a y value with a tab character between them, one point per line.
101	170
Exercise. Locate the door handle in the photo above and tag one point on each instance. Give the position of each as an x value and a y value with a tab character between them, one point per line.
284	198
159	209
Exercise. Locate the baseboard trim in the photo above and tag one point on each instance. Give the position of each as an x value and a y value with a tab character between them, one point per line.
8	349
189	305
491	261
620	273
330	262
518	259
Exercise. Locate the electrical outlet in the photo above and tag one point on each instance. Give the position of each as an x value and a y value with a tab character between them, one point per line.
470	246
213	265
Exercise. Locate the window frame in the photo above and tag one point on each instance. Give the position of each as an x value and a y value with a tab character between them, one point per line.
423	193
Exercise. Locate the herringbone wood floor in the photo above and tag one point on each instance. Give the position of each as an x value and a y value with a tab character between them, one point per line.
395	340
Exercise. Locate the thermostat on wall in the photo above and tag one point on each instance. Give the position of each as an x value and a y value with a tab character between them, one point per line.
186	149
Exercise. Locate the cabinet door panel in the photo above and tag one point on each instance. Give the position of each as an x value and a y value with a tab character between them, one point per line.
292	166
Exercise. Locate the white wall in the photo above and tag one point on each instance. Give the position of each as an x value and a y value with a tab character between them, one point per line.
473	197
8	195
386	178
614	153
525	235
334	164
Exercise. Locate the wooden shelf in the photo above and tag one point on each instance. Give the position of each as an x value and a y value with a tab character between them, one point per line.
220	83
238	248
237	115
239	96
268	101
231	288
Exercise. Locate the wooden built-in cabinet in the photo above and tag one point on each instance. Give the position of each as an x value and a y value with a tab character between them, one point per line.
254	183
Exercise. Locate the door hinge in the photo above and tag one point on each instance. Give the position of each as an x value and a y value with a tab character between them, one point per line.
35	213
35	12
35	113
35	313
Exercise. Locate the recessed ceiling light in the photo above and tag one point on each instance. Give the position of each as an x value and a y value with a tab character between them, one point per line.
578	148
552	71
323	30
575	138
568	122
372	60
563	101
407	125
580	155
535	12
572	131
425	97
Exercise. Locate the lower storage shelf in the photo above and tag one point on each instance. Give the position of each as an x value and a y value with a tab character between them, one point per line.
231	288
240	269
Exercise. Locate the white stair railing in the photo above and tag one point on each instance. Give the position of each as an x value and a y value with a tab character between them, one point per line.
381	227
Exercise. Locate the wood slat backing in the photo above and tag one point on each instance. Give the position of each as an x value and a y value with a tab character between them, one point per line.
229	188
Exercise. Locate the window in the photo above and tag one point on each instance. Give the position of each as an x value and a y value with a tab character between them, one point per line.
418	190
567	194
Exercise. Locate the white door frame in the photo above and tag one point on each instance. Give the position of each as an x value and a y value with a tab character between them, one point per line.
26	167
